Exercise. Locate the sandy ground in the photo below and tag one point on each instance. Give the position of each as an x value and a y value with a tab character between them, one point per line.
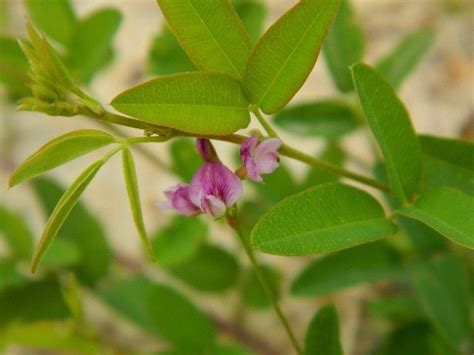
439	96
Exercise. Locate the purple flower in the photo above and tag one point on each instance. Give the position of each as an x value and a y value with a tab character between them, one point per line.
178	199
214	188
260	158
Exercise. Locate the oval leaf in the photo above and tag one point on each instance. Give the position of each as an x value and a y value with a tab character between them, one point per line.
330	118
60	151
201	103
210	32
433	209
344	46
325	218
130	176
391	126
285	55
62	210
322	336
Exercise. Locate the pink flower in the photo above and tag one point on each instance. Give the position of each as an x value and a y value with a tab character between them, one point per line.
178	199
214	188
260	158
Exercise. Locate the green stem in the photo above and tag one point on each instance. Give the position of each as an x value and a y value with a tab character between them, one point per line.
233	222
266	126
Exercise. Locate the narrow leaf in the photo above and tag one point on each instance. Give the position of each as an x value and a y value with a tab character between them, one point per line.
391	126
130	176
344	46
404	58
322	336
56	18
201	103
285	55
335	217
60	151
334	272
455	223
62	210
91	43
210	32
329	118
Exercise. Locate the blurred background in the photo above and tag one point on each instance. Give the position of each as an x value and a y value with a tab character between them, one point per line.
438	93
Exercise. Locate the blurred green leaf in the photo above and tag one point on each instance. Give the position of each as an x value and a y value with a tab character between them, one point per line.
432	209
389	120
284	56
82	228
130	176
403	59
278	185
33	301
62	210
335	272
61	254
344	46
58	152
232	350
202	103
211	33
322	336
333	212
397	308
425	239
56	18
179	241
210	269
13	67
91	43
166	55
17	233
328	118
448	162
442	285
185	159
332	153
9	275
179	321
253	294
252	13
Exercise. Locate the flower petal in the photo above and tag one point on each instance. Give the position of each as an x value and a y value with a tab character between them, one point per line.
213	206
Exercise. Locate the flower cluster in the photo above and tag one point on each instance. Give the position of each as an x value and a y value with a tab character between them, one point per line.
214	187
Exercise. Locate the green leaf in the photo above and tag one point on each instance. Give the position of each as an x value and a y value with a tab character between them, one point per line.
179	241
426	240
211	33
185	158
329	118
61	254
448	162
56	18
81	228
397	308
166	55
180	322
332	153
90	44
10	276
33	301
285	55
278	185
335	217
62	211
344	46
442	286
209	269
201	103
58	152
389	121
253	294
17	233
252	13
130	176
335	272
398	64
322	336
13	67
433	209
